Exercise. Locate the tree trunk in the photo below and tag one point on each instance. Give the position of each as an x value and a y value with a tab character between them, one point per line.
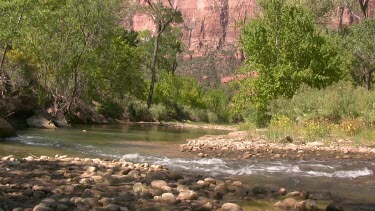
153	70
368	79
2	74
3	58
74	89
340	14
75	78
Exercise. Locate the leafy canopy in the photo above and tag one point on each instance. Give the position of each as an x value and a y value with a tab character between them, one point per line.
285	48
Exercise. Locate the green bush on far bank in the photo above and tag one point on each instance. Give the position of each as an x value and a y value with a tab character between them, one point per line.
335	103
184	98
341	110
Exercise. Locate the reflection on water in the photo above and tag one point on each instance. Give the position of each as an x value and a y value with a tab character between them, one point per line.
105	141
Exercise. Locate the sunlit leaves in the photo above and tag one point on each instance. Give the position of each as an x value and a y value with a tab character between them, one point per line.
284	46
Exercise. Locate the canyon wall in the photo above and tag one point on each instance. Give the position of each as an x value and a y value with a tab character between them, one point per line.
211	30
208	24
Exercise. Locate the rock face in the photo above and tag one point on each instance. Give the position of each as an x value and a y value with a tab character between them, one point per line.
214	24
6	130
211	29
208	24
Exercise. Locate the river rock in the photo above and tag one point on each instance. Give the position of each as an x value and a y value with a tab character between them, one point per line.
288	203
6	130
12	163
187	195
231	207
61	124
90	201
137	187
105	201
200	183
90	169
181	188
62	207
210	180
168	198
237	183
160	184
112	207
124	197
309	205
39	122
293	194
38	194
282	191
134	174
145	195
48	201
111	180
41	207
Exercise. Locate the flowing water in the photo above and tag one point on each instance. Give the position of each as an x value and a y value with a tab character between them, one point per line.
348	179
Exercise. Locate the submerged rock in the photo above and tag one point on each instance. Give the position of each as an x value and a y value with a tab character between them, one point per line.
39	122
6	130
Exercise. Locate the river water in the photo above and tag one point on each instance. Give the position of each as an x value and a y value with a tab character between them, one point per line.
350	180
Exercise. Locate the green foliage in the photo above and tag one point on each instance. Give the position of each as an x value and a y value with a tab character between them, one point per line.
138	111
111	109
71	48
170	45
185	98
159	112
174	90
337	102
359	41
285	48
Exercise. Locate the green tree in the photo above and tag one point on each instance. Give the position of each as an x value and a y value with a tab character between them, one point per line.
170	45
359	41
80	52
163	16
285	48
13	14
65	39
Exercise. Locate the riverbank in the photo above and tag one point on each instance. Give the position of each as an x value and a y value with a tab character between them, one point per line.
195	125
239	145
67	183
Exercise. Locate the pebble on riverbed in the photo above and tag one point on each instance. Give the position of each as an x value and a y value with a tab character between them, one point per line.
239	145
66	183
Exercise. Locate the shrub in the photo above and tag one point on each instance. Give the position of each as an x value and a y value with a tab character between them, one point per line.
339	101
351	127
138	111
110	109
159	112
316	128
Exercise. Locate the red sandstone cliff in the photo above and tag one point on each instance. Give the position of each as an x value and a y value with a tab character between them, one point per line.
212	26
208	24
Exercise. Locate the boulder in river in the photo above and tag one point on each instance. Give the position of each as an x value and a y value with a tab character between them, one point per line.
231	207
6	130
39	122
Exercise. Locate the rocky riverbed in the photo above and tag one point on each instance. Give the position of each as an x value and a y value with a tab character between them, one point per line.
66	183
239	145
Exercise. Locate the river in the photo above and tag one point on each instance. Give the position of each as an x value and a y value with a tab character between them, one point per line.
348	180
